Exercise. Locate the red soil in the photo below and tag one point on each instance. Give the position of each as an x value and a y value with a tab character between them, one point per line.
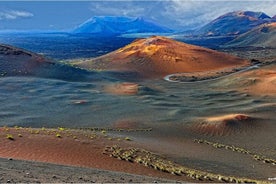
273	24
81	151
259	82
159	56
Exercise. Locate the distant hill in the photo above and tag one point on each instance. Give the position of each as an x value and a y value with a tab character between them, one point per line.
110	25
15	61
19	62
234	23
159	56
261	36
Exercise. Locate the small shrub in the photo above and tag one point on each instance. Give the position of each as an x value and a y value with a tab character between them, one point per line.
61	129
10	137
127	139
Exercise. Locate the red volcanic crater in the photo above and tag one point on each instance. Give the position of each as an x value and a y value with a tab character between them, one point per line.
159	56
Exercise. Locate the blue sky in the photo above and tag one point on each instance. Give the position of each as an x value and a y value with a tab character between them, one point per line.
176	14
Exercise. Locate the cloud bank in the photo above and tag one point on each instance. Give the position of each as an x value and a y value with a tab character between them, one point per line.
14	14
179	14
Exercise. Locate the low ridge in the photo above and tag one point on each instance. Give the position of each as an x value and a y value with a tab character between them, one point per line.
261	36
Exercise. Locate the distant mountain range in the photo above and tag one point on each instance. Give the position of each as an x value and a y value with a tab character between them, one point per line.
248	26
234	23
112	25
229	24
261	36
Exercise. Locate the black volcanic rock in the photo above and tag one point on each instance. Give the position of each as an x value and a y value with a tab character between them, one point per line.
110	25
234	23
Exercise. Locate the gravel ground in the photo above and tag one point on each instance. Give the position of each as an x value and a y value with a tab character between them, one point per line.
14	171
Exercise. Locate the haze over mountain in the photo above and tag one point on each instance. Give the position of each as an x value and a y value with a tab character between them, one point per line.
119	25
159	56
261	36
234	23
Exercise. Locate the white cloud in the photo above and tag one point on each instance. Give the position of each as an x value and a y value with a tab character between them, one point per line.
116	9
188	13
14	14
179	14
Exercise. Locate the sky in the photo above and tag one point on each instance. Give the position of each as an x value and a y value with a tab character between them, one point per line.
175	14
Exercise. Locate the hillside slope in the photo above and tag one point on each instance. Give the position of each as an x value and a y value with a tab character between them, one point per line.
262	36
234	23
159	56
19	62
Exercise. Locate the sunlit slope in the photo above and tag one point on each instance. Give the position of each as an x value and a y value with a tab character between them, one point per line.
159	56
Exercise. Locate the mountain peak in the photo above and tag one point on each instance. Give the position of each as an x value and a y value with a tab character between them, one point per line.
246	14
235	23
251	14
119	25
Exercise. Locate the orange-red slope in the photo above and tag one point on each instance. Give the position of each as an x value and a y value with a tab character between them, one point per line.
159	56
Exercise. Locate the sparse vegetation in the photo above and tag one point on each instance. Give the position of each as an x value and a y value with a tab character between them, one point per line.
61	128
255	156
10	137
6	128
117	129
58	135
157	162
127	139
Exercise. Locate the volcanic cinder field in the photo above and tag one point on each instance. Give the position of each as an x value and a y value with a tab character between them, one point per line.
152	110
